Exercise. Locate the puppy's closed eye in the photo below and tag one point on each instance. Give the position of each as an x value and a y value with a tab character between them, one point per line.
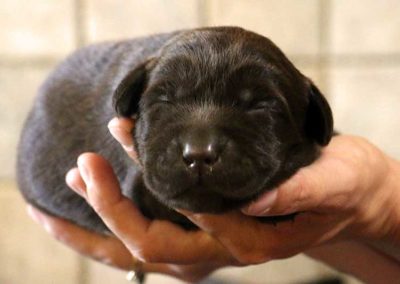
269	103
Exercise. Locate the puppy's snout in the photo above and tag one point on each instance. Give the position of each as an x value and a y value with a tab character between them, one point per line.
200	155
201	149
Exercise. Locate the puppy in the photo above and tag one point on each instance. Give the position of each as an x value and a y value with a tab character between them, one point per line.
221	116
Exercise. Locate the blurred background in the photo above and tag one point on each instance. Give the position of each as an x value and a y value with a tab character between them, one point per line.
350	48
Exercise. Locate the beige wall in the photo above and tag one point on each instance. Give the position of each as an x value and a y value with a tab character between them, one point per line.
351	48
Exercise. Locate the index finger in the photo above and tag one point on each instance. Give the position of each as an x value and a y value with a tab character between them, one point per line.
150	241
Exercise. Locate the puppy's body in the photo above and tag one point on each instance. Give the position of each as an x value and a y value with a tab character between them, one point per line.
69	117
223	89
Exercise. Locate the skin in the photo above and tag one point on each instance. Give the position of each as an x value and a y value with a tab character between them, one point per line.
348	201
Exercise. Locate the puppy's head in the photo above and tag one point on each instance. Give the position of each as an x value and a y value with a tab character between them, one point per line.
222	116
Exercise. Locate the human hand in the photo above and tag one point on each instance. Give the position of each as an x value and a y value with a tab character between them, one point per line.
227	239
352	188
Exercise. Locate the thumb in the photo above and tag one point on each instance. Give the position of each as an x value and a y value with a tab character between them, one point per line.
294	195
313	188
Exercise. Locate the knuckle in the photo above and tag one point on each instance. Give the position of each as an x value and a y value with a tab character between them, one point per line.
146	254
361	150
101	208
292	194
302	190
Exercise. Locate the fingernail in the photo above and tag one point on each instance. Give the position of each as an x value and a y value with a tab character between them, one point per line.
120	123
122	136
128	148
262	205
84	172
70	178
33	214
183	211
113	122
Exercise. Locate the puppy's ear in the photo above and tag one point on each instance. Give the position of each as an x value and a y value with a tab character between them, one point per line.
128	93
319	120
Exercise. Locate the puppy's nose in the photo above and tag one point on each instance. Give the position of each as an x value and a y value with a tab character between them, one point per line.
200	155
202	148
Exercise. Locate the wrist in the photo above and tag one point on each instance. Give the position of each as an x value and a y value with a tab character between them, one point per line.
358	259
378	216
387	221
393	203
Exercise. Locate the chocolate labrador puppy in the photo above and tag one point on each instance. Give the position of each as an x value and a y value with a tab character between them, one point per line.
221	116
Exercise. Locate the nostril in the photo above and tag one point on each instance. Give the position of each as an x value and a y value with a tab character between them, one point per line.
211	157
194	156
209	161
188	161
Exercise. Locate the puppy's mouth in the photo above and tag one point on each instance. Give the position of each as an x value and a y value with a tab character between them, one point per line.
202	196
201	200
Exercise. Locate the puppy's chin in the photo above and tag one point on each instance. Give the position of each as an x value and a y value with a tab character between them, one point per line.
203	199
